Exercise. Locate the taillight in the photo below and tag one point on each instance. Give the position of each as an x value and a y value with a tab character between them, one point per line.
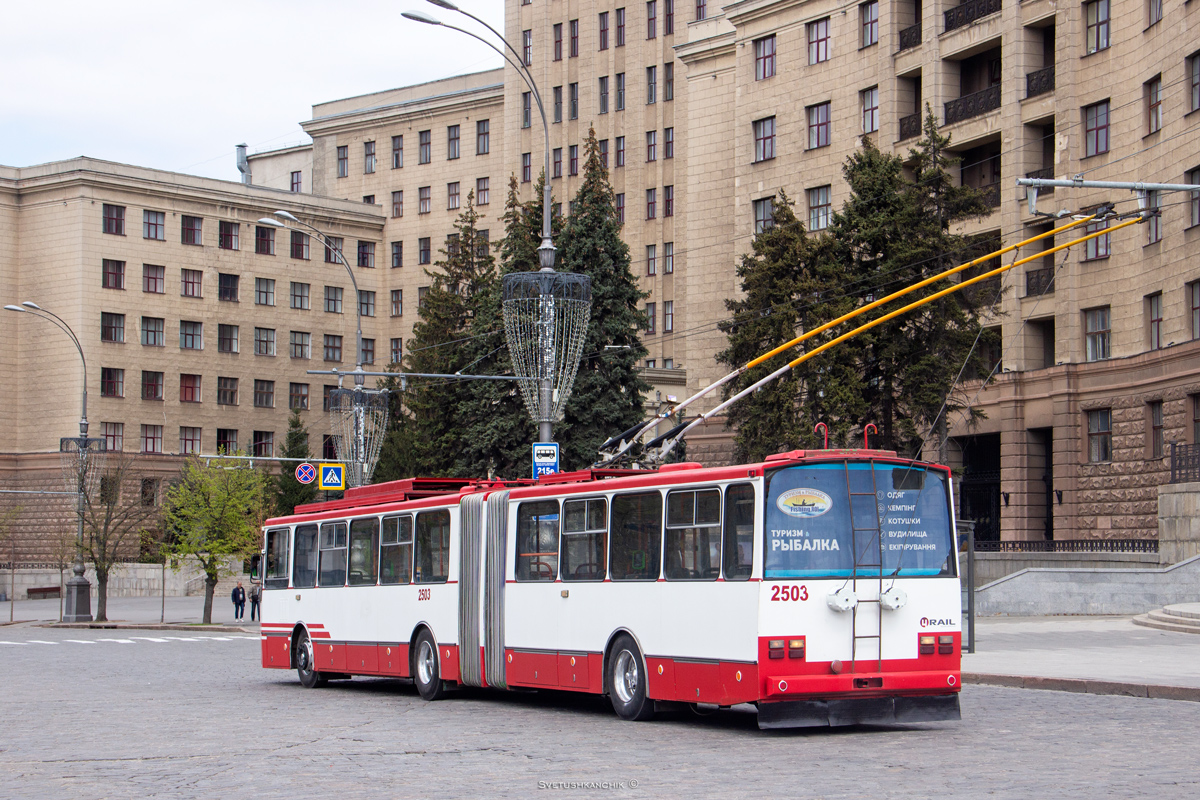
926	645
945	645
775	648
795	648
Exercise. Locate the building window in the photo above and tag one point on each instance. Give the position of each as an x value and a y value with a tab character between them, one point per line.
558	103
526	109
701	10
264	240
114	435
153	279
870	109
154	225
669	18
264	444
112	382
1096	327
1154	96
112	327
573	29
296	181
227	287
191	283
397	254
668	201
333	347
573	101
818	41
114	219
651	259
227	391
620	27
397	302
227	235
264	394
368	351
1155	11
1193	178
651	19
190	230
527	47
869	14
620	91
818	126
397	204
764	216
1096	14
1154	223
651	85
668	258
424	199
483	137
1098	247
603	92
423	251
764	57
526	167
669	81
298	396
651	318
112	274
764	139
189	388
1099	424
620	201
397	152
333	299
558	41
343	161
668	142
651	203
152	438
299	292
227	338
573	159
152	385
482	191
424	147
818	208
300	245
366	303
227	440
397	350
264	291
556	162
301	344
668	316
329	444
1193	70
1156	429
604	30
1154	320
153	331
191	335
620	159
422	293
189	441
366	255
651	146
264	341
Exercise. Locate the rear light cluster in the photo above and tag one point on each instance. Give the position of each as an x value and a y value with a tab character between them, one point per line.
944	644
795	648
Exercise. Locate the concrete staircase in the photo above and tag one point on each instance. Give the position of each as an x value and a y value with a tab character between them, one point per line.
1182	617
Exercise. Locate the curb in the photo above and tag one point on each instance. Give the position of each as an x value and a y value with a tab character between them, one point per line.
152	626
1082	686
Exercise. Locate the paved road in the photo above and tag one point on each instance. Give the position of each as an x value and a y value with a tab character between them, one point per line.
114	714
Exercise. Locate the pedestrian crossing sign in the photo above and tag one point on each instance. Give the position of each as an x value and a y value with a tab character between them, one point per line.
333	477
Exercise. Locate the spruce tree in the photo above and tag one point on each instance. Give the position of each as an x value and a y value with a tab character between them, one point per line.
608	393
396	455
290	492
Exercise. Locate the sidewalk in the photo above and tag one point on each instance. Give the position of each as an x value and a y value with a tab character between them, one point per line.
140	611
1097	655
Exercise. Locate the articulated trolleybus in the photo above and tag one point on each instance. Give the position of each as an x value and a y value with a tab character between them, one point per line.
820	586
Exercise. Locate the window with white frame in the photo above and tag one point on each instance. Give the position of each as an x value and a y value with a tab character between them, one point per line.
1097	330
764	216
818	208
870	109
764	139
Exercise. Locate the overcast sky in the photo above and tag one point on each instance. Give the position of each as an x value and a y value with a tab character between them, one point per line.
176	86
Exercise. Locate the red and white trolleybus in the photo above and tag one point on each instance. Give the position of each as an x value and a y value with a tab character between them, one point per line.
820	586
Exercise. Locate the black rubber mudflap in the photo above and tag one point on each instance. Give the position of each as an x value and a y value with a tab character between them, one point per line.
857	711
928	709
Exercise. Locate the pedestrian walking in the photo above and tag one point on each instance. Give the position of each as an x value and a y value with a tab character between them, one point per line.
255	598
239	601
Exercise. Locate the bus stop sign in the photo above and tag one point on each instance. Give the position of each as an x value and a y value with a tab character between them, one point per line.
545	459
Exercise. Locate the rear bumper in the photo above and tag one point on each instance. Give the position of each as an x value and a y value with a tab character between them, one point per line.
858	711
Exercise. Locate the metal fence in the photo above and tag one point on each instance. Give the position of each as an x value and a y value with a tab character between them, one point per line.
1071	546
1185	463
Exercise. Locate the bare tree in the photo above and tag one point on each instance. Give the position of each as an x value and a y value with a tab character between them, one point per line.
123	505
62	544
8	544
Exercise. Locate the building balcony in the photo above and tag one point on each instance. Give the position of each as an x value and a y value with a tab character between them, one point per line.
1039	82
973	105
910	37
964	14
1044	174
991	194
910	126
1039	282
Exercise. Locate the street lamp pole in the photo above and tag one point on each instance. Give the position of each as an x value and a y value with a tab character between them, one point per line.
79	591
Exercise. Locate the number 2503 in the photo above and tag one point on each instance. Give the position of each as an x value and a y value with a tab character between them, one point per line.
423	594
789	593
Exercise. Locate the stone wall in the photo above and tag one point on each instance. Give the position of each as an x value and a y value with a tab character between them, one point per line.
1178	521
125	580
991	567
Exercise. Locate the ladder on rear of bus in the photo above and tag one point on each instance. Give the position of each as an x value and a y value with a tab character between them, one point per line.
865	541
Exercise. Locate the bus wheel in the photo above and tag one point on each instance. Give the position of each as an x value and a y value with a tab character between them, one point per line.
306	664
425	668
627	681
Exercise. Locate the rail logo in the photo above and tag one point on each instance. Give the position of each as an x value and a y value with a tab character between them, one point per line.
804	503
927	622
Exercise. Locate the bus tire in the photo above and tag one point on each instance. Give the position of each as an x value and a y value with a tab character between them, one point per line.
627	681
425	670
306	670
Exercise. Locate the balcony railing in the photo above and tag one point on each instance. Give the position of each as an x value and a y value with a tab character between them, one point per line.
1039	82
1039	282
973	105
1185	463
1045	174
910	126
910	37
966	13
991	194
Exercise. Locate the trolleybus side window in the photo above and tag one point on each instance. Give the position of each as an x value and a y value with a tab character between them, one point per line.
537	541
584	539
395	550
636	535
276	574
364	549
693	547
332	563
739	531
304	562
433	547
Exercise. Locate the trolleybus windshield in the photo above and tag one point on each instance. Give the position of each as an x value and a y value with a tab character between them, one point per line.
831	520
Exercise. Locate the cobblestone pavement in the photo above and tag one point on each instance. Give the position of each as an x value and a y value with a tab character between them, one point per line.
95	714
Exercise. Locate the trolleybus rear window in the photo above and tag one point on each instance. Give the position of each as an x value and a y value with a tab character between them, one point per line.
276	575
739	531
840	518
